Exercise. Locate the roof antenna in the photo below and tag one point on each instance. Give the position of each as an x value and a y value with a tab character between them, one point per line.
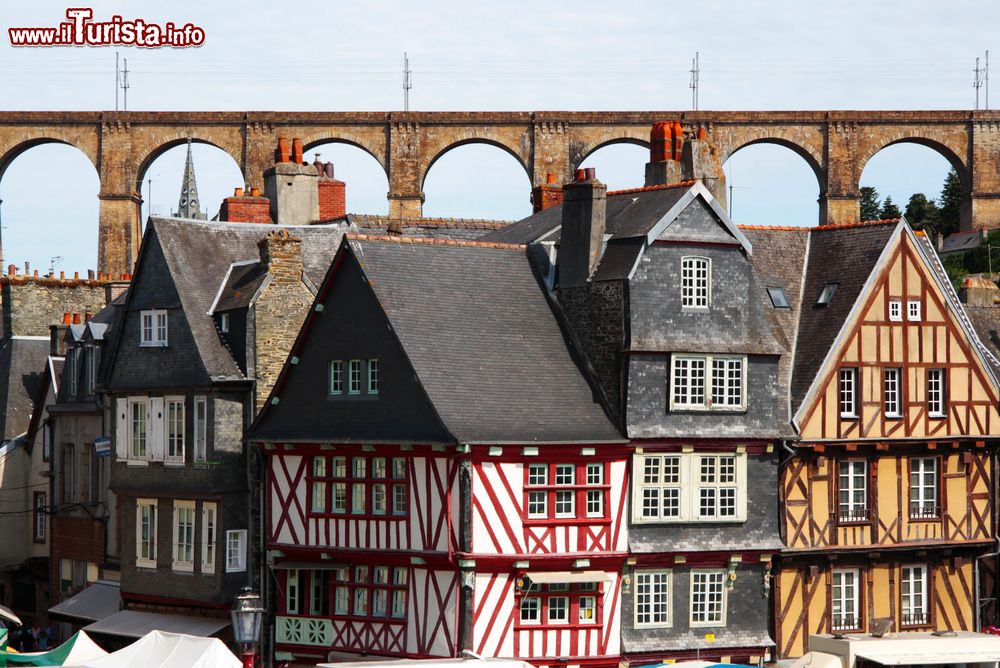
695	74
53	261
407	83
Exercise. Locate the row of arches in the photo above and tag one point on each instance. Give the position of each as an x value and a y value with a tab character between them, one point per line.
49	208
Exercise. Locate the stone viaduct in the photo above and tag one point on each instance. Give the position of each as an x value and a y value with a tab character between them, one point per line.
835	144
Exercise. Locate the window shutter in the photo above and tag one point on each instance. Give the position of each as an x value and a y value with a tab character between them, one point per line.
121	429
156	429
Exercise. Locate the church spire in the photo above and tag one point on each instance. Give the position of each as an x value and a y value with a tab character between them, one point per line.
189	206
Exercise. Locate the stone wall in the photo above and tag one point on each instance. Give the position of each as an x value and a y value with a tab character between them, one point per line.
30	304
280	309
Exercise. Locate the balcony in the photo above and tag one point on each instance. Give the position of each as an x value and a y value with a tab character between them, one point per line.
312	631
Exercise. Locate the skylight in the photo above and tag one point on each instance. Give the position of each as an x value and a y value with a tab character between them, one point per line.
825	297
778	299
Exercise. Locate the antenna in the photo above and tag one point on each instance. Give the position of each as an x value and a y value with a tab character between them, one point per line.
987	79
407	83
117	80
124	85
695	73
978	80
53	261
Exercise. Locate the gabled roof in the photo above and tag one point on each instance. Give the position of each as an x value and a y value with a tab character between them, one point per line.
483	339
199	255
844	255
48	379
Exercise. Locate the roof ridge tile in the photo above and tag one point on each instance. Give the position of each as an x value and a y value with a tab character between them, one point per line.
429	241
666	186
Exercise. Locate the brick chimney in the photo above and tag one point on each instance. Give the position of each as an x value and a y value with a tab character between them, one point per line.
332	193
666	139
290	187
979	291
241	208
547	195
280	308
581	241
700	161
57	336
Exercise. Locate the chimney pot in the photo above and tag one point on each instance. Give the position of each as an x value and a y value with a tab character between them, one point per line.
581	175
76	318
590	173
702	134
328	170
255	192
551	177
238	192
67	318
661	141
87	315
90	274
76	276
283	151
11	269
27	267
36	273
62	275
297	151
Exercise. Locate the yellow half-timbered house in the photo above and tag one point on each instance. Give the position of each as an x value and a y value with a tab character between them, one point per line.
887	497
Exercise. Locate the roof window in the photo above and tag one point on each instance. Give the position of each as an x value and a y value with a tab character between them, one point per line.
825	297
778	299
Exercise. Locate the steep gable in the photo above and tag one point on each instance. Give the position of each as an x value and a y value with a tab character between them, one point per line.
872	340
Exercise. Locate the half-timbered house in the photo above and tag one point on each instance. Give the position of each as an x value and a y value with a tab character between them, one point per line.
441	474
887	498
660	291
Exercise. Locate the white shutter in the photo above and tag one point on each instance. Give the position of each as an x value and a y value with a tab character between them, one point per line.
121	429
156	429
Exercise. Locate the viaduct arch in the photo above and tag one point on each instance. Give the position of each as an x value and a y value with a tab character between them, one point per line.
835	144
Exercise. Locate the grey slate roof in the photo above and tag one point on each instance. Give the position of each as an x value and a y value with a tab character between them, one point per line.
845	255
240	286
436	228
962	241
630	214
619	259
503	372
198	255
22	362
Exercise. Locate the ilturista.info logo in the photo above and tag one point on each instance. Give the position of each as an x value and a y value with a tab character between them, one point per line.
82	30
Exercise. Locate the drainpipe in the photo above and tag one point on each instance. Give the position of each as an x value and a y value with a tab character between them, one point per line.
975	574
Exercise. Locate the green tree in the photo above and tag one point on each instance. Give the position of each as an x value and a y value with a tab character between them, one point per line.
922	213
889	209
869	203
950	203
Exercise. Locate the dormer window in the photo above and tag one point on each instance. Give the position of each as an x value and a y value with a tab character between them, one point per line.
826	296
224	323
778	299
74	370
696	289
153	328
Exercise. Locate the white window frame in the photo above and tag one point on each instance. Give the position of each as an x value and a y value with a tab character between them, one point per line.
187	509
133	403
655	481
910	586
937	385
150	561
595	497
837	593
892	399
922	494
209	535
895	310
374	376
715	577
722	482
335	379
696	283
168	402
352	367
660	593
852	511
74	371
153	328
200	429
239	565
847	392
544	481
293	591
536	608
913	310
687	395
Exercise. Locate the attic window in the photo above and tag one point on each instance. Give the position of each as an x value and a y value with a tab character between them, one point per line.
778	299
825	297
224	323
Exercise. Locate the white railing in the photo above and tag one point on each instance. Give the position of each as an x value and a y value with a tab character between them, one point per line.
315	631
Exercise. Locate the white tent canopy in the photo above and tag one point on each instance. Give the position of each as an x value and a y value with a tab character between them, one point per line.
159	649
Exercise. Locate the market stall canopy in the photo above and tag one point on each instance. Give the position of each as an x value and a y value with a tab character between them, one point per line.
77	649
98	601
553	577
7	615
158	649
911	648
136	624
817	660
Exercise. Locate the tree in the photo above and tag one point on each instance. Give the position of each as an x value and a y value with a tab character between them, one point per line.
922	213
950	203
889	209
869	203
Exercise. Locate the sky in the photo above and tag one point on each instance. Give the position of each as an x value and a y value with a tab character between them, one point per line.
337	55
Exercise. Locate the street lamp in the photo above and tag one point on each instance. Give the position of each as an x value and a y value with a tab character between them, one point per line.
247	616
